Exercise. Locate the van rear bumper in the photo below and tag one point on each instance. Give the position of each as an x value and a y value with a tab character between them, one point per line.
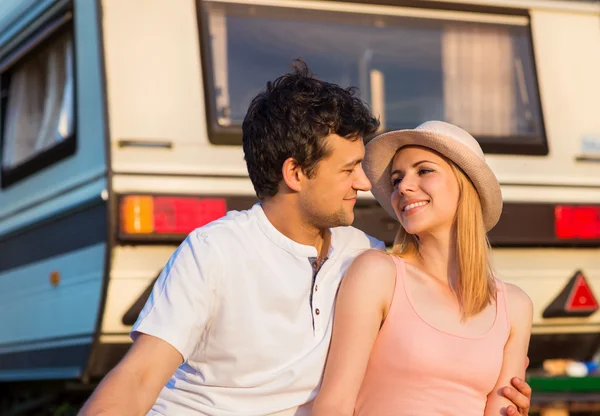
576	346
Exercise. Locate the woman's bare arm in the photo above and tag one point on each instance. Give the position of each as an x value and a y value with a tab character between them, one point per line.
362	304
520	311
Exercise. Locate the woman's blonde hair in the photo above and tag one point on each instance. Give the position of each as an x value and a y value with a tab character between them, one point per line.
476	287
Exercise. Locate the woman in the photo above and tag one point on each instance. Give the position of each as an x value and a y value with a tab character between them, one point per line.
427	330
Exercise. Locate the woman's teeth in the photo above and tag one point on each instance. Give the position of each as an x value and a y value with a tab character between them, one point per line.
416	204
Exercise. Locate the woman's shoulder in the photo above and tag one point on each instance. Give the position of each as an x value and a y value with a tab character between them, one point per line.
372	266
516	295
375	262
519	304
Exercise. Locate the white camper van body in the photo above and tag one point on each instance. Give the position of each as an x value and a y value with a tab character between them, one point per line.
139	105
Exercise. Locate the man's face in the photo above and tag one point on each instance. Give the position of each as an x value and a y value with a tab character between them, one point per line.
328	198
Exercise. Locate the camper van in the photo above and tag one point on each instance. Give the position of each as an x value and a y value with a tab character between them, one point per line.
120	133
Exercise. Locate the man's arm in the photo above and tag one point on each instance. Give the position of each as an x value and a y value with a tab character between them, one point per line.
132	387
166	331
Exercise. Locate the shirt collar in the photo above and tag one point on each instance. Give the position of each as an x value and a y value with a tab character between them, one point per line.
283	241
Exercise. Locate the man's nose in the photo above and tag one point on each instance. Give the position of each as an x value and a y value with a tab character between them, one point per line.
361	183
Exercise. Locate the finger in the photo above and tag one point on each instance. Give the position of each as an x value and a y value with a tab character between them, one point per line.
519	400
512	411
522	386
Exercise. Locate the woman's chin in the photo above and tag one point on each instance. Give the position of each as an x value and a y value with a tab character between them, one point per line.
421	229
412	227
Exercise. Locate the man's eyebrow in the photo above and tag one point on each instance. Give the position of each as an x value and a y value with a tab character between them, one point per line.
414	166
352	163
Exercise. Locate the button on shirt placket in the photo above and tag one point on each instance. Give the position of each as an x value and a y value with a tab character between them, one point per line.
314	308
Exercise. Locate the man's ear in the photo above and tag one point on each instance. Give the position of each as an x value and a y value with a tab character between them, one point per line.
292	174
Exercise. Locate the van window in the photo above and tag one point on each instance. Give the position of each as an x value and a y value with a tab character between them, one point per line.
37	106
475	71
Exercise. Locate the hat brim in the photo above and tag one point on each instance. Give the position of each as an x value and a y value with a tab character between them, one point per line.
381	150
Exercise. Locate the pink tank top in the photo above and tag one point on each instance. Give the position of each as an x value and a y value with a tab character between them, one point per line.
417	369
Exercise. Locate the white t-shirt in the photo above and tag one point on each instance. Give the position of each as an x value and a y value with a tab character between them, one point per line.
237	300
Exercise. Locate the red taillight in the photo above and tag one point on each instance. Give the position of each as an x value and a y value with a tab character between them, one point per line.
168	215
174	215
577	222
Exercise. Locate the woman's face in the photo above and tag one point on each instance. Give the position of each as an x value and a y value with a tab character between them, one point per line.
426	191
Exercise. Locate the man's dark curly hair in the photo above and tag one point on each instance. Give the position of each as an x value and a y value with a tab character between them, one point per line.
291	118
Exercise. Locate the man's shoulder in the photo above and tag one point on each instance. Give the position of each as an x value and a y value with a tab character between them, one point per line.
234	226
233	221
352	238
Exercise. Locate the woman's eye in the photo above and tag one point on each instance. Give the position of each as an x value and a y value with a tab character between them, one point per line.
424	171
396	181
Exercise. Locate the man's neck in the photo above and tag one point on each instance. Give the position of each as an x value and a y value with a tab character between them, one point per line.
289	222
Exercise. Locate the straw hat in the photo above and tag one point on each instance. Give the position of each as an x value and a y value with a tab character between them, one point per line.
448	140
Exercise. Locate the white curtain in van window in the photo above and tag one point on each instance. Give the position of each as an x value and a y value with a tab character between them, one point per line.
24	112
55	123
479	85
218	36
66	118
40	103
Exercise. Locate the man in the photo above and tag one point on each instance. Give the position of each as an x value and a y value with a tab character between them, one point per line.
239	322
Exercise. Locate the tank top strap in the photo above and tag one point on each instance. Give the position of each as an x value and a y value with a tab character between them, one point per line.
502	307
399	298
400	272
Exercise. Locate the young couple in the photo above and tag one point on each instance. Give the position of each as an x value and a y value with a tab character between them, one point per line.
241	320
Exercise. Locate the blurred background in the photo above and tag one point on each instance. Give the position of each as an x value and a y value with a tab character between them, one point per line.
120	133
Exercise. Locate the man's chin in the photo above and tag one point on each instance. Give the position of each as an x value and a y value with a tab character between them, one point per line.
347	221
339	219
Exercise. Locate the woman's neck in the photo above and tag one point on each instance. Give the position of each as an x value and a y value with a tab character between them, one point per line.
437	256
